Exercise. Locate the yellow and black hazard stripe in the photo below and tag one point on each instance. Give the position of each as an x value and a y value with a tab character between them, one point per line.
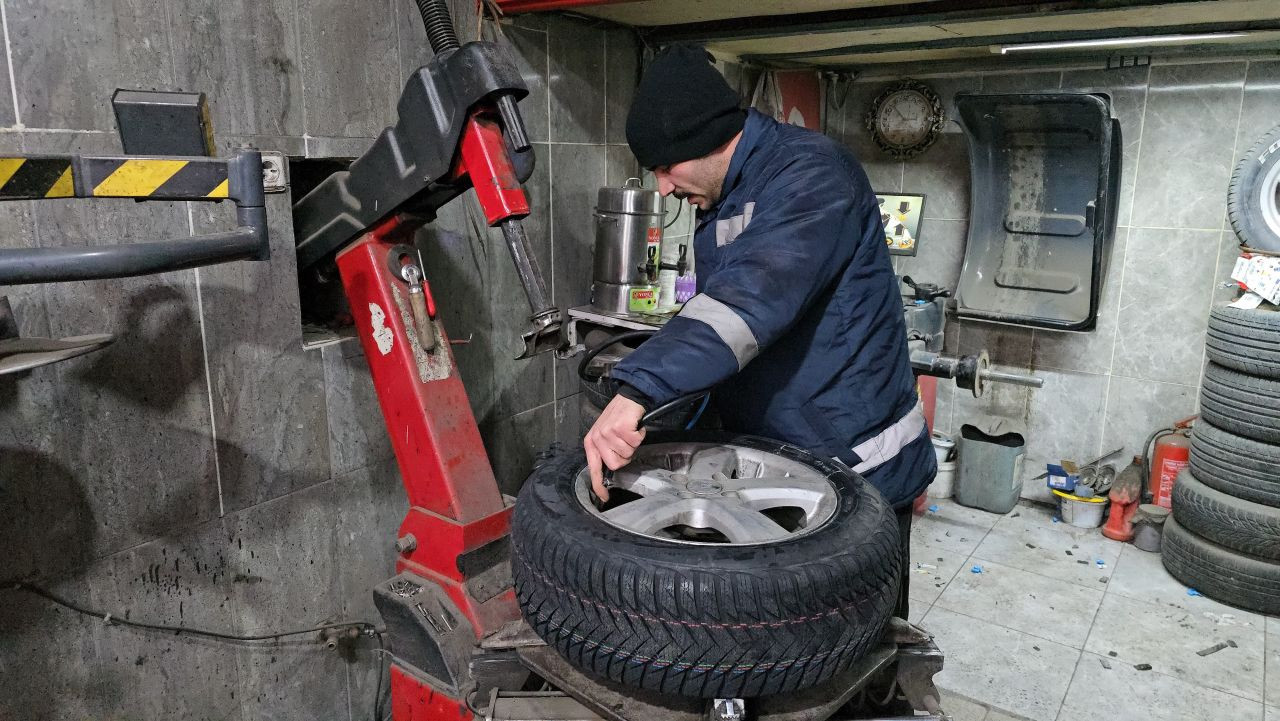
72	176
175	178
28	178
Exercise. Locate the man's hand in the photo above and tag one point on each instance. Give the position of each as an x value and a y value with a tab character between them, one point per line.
612	440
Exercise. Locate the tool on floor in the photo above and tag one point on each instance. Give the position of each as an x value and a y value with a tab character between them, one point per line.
1126	494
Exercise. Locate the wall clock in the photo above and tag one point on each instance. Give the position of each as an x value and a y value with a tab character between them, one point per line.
905	119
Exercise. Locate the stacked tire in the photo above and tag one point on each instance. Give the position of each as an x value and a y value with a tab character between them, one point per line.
1224	537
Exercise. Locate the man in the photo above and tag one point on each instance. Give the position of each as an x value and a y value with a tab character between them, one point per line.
798	321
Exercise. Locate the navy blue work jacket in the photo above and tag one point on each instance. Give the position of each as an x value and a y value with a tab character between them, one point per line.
798	323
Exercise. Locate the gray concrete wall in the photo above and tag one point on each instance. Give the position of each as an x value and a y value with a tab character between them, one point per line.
206	469
1184	127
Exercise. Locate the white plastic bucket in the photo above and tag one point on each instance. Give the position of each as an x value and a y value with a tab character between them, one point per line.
943	483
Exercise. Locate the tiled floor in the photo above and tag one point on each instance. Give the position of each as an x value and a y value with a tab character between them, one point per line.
1045	632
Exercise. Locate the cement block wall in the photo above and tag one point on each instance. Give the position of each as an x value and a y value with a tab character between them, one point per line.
206	469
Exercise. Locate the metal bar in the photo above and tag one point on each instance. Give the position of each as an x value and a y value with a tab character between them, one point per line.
1016	379
886	16
55	265
983	40
526	266
242	183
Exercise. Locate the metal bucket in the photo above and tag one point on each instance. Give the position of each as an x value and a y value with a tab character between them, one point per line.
1079	511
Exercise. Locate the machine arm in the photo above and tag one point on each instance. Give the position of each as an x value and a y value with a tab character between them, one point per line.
458	126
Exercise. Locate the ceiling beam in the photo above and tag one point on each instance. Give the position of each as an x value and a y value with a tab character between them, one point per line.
884	16
1046	36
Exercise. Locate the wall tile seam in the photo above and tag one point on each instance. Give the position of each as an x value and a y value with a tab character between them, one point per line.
208	371
1124	256
604	91
1223	221
8	51
19	129
302	75
173	52
551	192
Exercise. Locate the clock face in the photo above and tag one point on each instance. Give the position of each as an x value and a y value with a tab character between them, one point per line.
905	118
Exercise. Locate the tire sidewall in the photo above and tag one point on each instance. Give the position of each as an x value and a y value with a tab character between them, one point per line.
1244	195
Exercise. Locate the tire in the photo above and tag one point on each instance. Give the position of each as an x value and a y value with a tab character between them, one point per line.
1246	340
1243	404
1237	579
1237	524
1251	197
705	620
1235	465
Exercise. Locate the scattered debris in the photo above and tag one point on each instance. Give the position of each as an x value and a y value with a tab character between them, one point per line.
1101	563
1057	520
976	569
1142	666
1224	619
1193	592
933	508
1104	579
1082	562
1031	545
1216	648
1015	515
1112	654
1036	648
1069	553
1105	663
939	559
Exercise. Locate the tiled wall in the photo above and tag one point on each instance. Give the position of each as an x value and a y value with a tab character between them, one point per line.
1184	126
206	469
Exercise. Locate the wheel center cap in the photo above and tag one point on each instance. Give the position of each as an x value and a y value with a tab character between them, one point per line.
704	488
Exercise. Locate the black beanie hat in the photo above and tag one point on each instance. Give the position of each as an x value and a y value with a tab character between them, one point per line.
683	108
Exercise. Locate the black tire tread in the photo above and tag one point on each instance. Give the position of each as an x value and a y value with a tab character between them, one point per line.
1241	403
1247	340
1217	572
700	631
1237	524
1236	465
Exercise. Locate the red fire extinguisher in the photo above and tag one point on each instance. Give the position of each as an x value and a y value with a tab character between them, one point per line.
1171	454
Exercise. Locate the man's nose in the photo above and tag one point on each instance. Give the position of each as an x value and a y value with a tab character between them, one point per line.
665	186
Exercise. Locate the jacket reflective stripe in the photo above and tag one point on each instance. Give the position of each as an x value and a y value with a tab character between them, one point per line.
888	443
728	325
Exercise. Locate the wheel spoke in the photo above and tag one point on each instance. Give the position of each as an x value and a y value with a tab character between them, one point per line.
707	462
739	523
646	482
773	492
650	514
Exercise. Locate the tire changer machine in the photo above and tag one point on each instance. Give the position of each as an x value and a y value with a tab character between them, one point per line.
459	648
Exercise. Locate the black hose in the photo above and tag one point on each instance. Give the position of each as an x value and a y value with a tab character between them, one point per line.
591	353
669	406
435	16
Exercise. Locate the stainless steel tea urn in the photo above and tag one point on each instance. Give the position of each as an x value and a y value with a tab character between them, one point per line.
628	246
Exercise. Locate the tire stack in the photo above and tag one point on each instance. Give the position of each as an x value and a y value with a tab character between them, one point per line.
1224	537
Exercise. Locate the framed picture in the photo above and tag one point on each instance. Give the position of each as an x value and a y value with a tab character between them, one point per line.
901	215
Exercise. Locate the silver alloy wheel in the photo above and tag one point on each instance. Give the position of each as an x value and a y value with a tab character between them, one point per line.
712	494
